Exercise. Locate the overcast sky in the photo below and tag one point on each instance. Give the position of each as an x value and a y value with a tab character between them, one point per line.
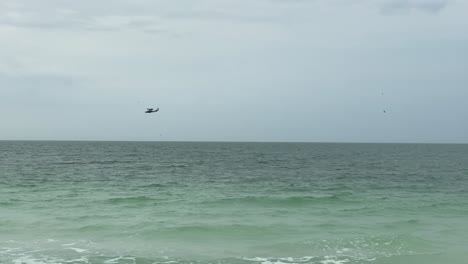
235	70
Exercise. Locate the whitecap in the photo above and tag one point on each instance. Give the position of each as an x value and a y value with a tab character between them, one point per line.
68	245
78	250
29	260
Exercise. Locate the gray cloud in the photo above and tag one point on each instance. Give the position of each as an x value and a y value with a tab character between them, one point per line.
148	16
36	90
70	19
144	15
429	6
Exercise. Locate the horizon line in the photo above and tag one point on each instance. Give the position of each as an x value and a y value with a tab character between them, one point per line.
222	141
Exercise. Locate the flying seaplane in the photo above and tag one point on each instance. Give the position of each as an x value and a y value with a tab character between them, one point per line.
151	110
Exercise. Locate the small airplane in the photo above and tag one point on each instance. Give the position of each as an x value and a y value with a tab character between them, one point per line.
151	110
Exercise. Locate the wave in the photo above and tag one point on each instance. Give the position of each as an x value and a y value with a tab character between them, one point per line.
160	185
293	201
81	218
11	202
153	185
357	250
125	259
133	200
6	223
96	228
99	162
238	232
170	165
411	223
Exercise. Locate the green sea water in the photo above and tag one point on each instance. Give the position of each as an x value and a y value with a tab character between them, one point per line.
249	203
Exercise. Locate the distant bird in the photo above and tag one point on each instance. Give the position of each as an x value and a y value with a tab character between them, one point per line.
384	111
150	110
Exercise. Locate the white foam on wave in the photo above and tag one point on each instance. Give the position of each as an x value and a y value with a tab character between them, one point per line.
82	259
333	260
78	250
68	245
44	251
300	260
343	250
6	250
30	260
115	260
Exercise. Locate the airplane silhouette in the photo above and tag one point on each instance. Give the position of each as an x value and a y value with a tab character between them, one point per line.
150	110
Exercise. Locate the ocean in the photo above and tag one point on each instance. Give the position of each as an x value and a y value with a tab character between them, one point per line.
246	203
